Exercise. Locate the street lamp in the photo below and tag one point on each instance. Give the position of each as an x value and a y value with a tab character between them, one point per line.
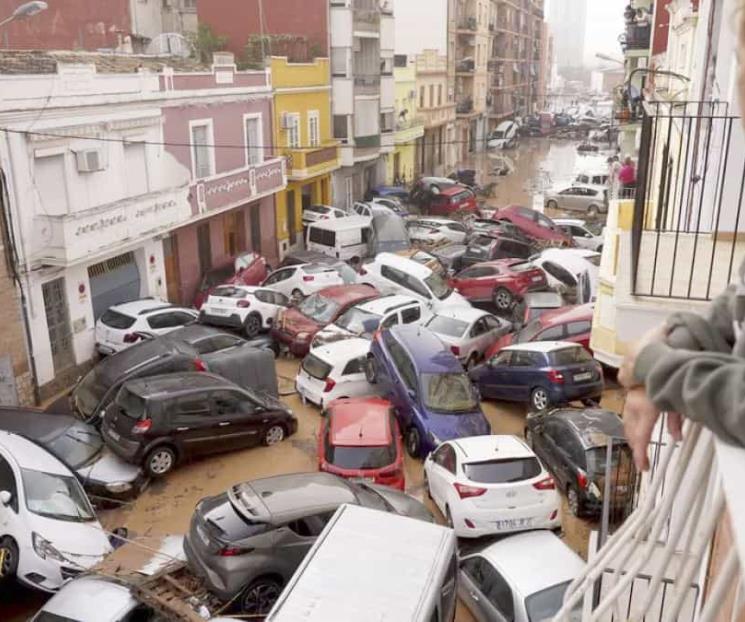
25	10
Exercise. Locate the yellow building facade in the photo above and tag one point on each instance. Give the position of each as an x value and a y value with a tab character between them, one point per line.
304	135
401	165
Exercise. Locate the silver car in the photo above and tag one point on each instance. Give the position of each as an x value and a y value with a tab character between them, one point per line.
591	200
246	543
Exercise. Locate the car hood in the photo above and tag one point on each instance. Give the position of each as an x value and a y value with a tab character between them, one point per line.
331	334
447	427
295	322
402	503
109	468
84	544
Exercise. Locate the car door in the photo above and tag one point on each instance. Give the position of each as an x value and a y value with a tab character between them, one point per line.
476	339
281	280
579	332
403	386
238	421
553	456
582	237
492	382
271	304
478	282
294	539
192	424
442	474
353	378
521	377
485	591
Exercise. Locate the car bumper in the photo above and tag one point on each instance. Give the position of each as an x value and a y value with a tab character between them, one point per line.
228	321
309	393
288	341
215	583
569	393
130	451
48	575
504	520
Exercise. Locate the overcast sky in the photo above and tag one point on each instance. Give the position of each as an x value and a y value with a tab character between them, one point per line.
421	24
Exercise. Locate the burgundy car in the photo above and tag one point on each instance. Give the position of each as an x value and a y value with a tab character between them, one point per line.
573	323
246	269
499	281
295	328
534	224
449	201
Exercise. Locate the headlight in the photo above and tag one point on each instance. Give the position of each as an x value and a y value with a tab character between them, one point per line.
302	336
118	487
593	490
44	548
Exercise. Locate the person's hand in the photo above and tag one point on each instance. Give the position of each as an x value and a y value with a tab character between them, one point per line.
639	418
626	371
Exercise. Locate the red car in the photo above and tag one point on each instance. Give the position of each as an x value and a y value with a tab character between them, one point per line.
359	437
246	269
572	323
455	199
534	224
498	281
296	327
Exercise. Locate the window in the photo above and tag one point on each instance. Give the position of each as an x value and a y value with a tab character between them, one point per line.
523	359
431	95
445	457
554	333
386	121
502	471
413	314
497	591
503	358
204	247
187	409
403	364
231	403
279	275
314	129
421	97
439	94
355	366
322	236
310	526
293	130
217	343
51	183
169	320
514	250
253	141
135	169
339	62
570	356
341	127
234	230
202	154
391	320
493	323
476	272
578	328
479	328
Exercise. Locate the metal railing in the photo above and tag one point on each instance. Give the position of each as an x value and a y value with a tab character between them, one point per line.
688	205
637	37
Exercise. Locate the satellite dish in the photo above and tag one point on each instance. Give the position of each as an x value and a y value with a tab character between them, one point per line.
170	44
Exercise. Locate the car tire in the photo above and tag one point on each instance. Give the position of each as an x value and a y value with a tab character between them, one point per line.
539	399
552	204
252	325
296	297
273	435
259	597
413	442
160	461
502	298
9	565
371	374
593	211
573	501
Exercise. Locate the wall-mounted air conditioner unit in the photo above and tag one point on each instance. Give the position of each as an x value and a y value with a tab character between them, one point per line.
89	161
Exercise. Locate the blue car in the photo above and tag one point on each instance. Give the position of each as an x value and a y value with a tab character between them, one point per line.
541	373
433	397
398	192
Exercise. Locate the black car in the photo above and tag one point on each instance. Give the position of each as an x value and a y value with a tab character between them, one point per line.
192	348
488	247
573	444
450	256
159	421
103	474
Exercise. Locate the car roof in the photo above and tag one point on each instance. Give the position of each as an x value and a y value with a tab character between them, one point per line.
461	312
360	422
426	349
35	424
385	304
593	426
542	346
91	599
558	562
134	308
491	446
405	264
344	349
341	224
191	333
29	455
177	383
346	294
578	222
572	313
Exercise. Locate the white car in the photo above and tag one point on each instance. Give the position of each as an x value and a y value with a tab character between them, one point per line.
392	274
582	235
369	209
591	200
491	484
49	532
313	213
123	325
250	309
434	230
573	268
301	280
333	371
505	136
522	578
468	332
364	319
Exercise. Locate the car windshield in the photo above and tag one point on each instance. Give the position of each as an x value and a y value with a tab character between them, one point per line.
56	496
597	457
78	446
529	332
319	309
89	392
438	286
359	322
570	356
543	605
447	326
361	457
449	393
315	367
502	471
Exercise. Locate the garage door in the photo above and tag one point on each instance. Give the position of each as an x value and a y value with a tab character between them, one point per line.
113	281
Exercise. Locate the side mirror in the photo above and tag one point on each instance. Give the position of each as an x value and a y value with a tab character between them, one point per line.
5	497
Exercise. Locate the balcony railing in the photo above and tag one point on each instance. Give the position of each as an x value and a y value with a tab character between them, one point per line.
467	65
688	214
302	163
365	142
636	38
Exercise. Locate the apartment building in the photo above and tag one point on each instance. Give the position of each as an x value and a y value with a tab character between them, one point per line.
363	93
402	166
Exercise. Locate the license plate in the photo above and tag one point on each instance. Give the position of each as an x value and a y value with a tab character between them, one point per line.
114	434
581	377
514	523
218	311
536	279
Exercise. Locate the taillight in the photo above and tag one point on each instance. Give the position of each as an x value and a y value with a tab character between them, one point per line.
330	384
233	551
464	491
545	484
199	365
581	479
307	278
142	426
244	303
455	350
131	338
555	376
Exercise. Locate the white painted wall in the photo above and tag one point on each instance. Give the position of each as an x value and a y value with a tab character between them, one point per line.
343	95
341	27
387	33
387	92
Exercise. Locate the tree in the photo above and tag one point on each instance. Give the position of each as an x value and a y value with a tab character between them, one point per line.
206	43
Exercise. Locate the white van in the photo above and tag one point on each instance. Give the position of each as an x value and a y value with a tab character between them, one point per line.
341	238
504	136
369	565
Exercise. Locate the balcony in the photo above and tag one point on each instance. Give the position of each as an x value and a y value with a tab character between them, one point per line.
437	116
366	16
366	147
306	163
367	84
465	66
468	24
464	106
636	38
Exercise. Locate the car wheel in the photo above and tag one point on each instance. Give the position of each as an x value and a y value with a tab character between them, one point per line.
259	597
252	325
370	373
573	501
296	297
552	204
472	361
273	435
593	211
413	442
539	399
8	558
160	461
502	298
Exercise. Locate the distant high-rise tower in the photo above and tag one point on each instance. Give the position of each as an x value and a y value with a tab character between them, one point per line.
568	22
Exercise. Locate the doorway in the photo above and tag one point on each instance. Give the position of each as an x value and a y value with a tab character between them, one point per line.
256	228
113	281
170	260
291	220
58	324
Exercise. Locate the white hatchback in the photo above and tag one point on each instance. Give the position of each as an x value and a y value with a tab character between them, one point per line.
123	325
581	234
491	485
433	230
301	280
333	371
250	309
49	532
314	213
